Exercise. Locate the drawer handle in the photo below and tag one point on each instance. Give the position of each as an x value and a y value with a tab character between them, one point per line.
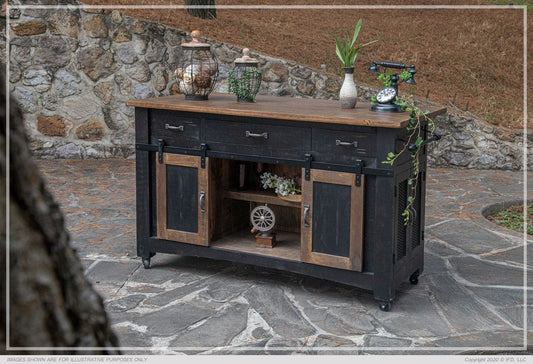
346	144
202	197
306	212
249	134
172	127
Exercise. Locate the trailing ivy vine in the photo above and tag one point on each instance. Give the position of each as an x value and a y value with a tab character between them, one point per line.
415	138
244	87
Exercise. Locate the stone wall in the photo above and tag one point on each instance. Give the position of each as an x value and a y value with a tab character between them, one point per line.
73	70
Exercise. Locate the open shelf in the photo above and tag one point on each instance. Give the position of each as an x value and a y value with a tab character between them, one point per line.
287	247
261	197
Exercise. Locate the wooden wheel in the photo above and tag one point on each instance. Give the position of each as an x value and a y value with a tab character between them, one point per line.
263	218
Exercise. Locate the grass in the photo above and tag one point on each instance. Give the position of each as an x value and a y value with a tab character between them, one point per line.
513	218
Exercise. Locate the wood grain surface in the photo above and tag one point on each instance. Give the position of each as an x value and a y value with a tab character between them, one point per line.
284	108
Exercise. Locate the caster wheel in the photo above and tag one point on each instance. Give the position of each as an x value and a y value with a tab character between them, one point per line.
414	278
385	306
146	263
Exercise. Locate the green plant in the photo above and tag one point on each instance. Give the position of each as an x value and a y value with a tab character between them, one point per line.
347	51
244	87
513	218
282	186
419	124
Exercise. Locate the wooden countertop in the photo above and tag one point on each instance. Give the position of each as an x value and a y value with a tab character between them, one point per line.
285	108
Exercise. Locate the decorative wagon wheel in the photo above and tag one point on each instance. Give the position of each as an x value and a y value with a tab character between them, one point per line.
263	219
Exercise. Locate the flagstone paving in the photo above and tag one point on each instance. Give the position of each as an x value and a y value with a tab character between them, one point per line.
470	297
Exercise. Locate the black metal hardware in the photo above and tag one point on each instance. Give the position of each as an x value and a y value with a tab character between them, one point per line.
249	134
308	160
358	172
172	127
306	212
203	154
201	201
412	147
346	144
160	145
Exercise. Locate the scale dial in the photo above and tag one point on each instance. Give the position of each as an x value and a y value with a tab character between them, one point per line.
386	95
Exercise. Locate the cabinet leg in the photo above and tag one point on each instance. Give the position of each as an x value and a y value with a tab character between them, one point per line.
385	306
414	277
146	263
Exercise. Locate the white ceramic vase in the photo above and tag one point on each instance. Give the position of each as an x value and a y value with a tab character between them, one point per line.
348	92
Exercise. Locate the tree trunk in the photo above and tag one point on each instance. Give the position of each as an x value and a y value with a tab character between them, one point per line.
51	303
207	13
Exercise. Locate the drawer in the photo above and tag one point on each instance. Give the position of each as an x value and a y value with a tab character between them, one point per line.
177	130
275	141
342	147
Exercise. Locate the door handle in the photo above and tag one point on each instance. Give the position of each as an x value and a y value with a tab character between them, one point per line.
201	201
346	144
306	212
172	127
249	134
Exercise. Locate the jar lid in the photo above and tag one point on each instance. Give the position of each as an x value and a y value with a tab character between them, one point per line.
246	57
195	43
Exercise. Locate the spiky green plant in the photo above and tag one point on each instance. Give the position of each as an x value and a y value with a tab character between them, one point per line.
347	51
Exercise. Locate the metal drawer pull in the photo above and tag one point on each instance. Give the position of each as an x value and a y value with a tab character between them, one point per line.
346	144
249	134
306	212
202	197
172	127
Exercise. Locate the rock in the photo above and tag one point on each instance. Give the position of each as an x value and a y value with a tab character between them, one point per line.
116	17
458	159
28	28
69	151
95	26
96	62
26	99
126	53
159	77
51	101
122	34
172	38
67	83
38	78
155	51
104	90
138	26
116	120
63	22
142	92
91	130
276	73
52	52
139	72
82	107
53	125
20	52
124	84
14	13
301	72
14	72
306	88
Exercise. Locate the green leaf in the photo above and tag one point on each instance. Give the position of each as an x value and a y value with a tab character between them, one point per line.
410	199
410	181
419	141
338	49
356	31
391	155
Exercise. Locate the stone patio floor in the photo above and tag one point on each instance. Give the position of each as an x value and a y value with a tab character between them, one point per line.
469	298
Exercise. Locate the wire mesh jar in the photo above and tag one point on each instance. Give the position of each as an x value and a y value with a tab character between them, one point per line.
197	70
245	79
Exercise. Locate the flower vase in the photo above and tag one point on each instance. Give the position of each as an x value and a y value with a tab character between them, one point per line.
348	92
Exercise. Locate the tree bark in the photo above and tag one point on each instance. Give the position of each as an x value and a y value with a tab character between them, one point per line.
51	303
207	13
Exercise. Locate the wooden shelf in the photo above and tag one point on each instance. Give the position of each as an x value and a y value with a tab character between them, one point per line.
261	197
288	244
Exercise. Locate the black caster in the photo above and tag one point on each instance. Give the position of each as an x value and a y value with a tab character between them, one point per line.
385	306
146	263
414	278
